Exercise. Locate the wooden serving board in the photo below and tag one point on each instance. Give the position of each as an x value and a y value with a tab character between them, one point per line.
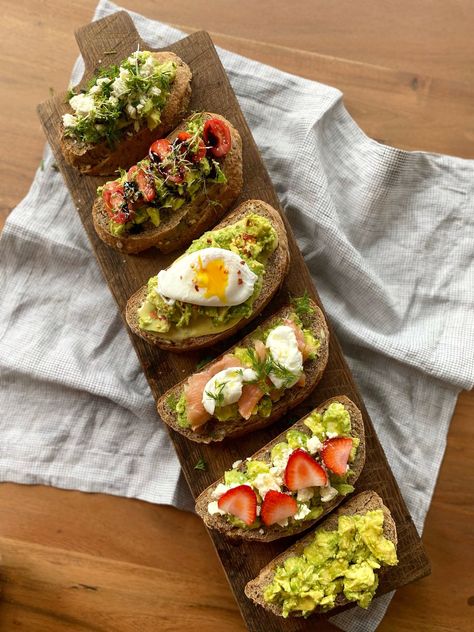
109	41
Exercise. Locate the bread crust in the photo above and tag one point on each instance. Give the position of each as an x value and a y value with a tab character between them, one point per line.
179	228
359	504
275	531
99	160
275	271
215	430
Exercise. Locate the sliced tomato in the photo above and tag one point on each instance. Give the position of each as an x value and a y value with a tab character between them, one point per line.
159	149
113	195
146	185
196	156
175	178
131	173
217	137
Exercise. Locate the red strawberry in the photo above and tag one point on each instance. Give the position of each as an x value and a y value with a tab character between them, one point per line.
241	502
335	453
303	471
277	507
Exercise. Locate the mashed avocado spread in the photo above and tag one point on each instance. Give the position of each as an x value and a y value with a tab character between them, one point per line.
340	562
263	475
254	239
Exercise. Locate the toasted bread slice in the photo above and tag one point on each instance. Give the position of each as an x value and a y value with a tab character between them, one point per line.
276	268
274	532
179	228
359	504
100	160
215	430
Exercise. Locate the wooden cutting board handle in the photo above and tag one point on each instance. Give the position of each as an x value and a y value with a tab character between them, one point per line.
101	42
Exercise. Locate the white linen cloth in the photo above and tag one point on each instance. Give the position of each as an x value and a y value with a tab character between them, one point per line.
387	236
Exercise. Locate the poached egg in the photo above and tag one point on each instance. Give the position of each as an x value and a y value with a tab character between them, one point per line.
283	347
212	277
226	387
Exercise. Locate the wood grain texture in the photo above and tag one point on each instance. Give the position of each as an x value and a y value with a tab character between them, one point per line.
118	530
124	274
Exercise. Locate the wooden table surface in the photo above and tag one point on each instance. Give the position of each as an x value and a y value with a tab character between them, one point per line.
75	562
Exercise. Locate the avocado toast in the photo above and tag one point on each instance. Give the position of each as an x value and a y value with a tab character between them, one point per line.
259	402
290	483
338	563
255	236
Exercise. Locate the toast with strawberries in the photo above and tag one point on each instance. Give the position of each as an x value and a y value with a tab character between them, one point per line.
293	481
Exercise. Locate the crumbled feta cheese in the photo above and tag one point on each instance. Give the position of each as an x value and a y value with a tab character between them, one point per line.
261	531
220	490
304	494
103	81
313	445
113	100
328	493
331	435
69	120
236	464
119	87
124	74
139	107
155	91
259	509
148	67
283	523
213	508
265	481
131	111
302	512
82	104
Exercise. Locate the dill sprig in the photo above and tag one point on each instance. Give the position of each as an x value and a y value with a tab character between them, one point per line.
302	304
201	465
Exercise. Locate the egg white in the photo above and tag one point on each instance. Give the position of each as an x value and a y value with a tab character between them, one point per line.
181	281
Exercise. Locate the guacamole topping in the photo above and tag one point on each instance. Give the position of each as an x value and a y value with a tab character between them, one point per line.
269	474
172	175
340	562
257	357
120	98
254	239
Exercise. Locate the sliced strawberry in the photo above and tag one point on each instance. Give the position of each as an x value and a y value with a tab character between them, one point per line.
303	471
146	185
277	507
241	502
335	454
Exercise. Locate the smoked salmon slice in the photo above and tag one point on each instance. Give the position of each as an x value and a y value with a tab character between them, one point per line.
251	395
194	388
299	338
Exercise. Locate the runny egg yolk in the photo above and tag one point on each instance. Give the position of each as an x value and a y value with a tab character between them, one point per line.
214	278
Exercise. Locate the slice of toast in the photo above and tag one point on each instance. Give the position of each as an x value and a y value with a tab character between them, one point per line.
100	160
274	532
359	504
276	269
178	228
215	430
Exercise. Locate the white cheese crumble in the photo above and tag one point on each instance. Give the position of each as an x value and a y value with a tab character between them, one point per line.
313	445
213	508
279	464
302	512
82	104
236	464
305	494
265	481
69	120
328	493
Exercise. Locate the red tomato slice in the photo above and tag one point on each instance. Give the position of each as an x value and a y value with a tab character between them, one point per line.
159	149
201	152
112	194
217	137
146	186
131	173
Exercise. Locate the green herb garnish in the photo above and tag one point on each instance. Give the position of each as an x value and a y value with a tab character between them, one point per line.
201	465
303	304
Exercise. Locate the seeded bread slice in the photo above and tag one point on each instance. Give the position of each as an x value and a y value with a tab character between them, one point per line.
215	430
276	269
178	228
100	160
274	532
360	504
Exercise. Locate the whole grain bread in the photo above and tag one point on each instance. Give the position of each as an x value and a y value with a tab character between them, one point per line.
276	268
274	532
100	160
215	430
359	504
179	228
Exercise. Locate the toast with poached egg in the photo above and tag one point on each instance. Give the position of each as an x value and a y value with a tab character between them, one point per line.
218	285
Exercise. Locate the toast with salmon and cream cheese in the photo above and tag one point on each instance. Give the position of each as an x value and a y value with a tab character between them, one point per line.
293	481
336	564
219	284
183	186
254	383
111	123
